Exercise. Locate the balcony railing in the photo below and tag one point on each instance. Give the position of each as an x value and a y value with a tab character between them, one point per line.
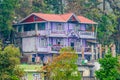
86	34
42	32
27	33
57	32
78	49
56	47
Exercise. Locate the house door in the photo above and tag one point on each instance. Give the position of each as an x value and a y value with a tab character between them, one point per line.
72	45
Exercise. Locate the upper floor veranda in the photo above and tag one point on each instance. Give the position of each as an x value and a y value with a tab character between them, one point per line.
76	25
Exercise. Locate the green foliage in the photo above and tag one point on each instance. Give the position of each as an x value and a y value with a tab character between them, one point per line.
54	6
64	67
106	25
9	59
107	22
7	8
108	69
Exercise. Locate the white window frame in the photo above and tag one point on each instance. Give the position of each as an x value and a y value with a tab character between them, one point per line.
36	76
60	40
77	27
43	42
59	27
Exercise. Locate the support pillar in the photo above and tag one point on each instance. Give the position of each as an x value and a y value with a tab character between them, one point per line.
82	51
106	49
92	52
113	50
96	53
100	50
36	28
30	58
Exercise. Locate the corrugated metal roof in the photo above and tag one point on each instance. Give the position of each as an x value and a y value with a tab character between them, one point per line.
61	17
50	17
85	20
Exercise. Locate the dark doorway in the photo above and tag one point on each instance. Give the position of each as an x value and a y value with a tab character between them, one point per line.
72	45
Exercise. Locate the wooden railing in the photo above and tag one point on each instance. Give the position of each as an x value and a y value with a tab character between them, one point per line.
58	32
78	49
56	47
86	34
27	33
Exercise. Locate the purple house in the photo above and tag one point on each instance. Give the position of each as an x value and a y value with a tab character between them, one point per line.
43	35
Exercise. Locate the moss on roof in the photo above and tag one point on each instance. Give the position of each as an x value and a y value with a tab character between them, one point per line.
32	67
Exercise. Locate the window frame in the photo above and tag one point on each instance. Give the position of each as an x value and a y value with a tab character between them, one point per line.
36	76
59	27
59	40
43	42
19	28
39	27
29	27
77	27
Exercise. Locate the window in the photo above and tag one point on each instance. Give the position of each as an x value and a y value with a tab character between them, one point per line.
19	28
43	42
59	27
78	44
29	27
88	27
59	41
35	18
77	27
41	26
36	76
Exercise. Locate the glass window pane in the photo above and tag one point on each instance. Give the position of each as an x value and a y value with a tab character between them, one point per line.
41	26
59	26
19	28
29	27
59	41
88	27
43	42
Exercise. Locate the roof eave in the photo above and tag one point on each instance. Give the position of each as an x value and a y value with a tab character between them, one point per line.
25	18
29	16
88	23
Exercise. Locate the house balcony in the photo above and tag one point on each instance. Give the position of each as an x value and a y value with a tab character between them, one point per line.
87	50
56	47
27	33
57	34
87	34
77	49
43	49
42	33
33	33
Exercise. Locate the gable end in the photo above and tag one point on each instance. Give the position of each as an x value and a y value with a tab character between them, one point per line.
32	18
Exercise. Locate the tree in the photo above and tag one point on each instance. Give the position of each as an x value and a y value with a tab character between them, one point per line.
63	66
108	69
7	12
9	59
118	66
24	9
55	6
